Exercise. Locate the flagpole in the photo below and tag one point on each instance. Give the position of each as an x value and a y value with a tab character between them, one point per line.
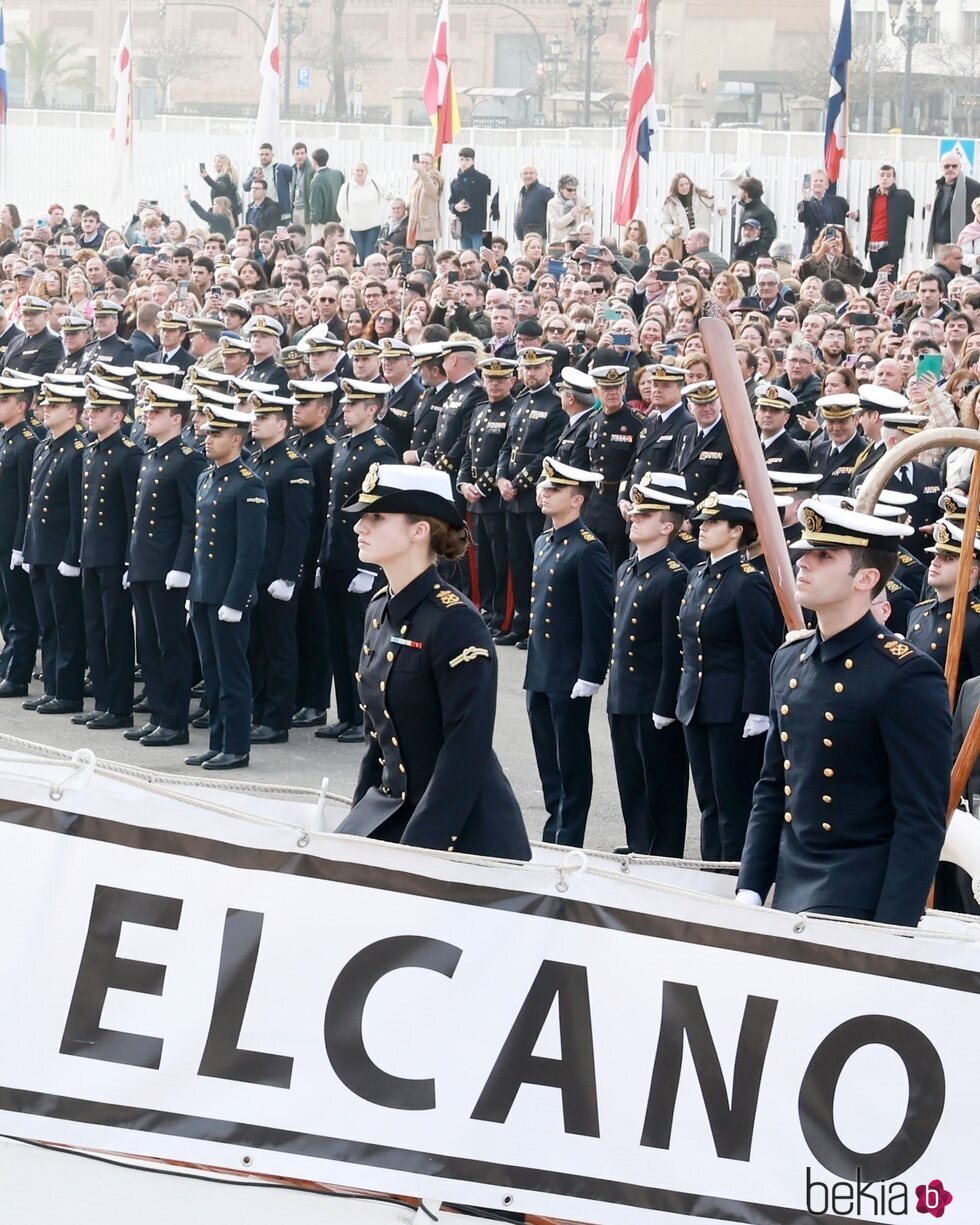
130	175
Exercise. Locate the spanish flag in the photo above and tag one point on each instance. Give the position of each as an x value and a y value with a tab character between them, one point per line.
438	93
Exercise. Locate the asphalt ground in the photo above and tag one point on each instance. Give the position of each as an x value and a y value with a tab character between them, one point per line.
304	761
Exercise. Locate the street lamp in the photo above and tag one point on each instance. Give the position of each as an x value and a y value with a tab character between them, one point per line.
292	23
591	28
557	60
911	31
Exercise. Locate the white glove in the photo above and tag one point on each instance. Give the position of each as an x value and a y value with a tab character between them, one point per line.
125	580
362	582
233	615
280	589
748	897
16	559
661	721
755	725
178	579
317	579
25	567
67	571
585	689
187	606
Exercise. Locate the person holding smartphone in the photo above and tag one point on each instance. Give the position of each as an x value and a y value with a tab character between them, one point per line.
468	196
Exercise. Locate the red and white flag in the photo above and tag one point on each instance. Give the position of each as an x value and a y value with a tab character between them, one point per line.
640	120
438	92
267	117
122	122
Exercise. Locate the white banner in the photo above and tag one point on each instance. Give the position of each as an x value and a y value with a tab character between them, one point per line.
180	985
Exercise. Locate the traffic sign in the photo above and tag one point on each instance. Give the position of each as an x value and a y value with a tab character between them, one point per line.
965	148
303	78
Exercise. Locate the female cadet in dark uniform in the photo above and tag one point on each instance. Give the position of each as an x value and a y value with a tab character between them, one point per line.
728	640
427	682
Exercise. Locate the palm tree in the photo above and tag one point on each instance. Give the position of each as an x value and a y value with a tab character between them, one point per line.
50	64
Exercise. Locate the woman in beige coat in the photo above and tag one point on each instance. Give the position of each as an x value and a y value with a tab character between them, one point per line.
567	210
685	208
425	203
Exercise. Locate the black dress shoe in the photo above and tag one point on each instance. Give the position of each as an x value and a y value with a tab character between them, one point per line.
308	716
202	720
226	761
85	717
333	732
197	691
142	706
9	690
522	645
353	735
165	737
59	706
268	735
508	640
198	759
89	690
109	722
37	676
137	733
34	703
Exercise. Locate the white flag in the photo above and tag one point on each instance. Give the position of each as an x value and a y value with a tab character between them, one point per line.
267	119
122	122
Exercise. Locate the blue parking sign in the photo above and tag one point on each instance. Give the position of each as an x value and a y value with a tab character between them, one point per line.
303	78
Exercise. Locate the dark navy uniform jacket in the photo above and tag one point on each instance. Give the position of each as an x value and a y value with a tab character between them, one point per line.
17	446
179	358
288	481
428	689
611	447
110	349
230	536
488	432
911	572
396	424
573	443
655	446
571	610
785	452
866	460
928	629
34	354
708	463
425	415
352	458
54	513
268	371
536	422
110	472
728	637
316	447
837	470
902	601
448	441
850	810
162	538
645	668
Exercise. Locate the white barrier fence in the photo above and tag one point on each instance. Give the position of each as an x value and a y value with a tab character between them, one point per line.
68	157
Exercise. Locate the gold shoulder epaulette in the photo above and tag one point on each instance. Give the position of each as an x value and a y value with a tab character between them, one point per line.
748	568
128	442
79	445
448	599
899	652
291	454
892	585
587	535
186	449
673	565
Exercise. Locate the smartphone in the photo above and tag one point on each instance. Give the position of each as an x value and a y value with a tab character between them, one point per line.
610	314
406	263
182	288
807	180
929	363
556	267
487	238
779	354
415	158
593	252
214	291
452	277
580	334
201	166
153	203
186	188
669	350
666	275
622	340
863	321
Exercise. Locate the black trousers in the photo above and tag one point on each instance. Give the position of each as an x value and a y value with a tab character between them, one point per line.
560	735
223	647
272	660
491	565
313	677
20	630
345	636
522	531
878	259
651	774
165	651
109	637
725	768
58	602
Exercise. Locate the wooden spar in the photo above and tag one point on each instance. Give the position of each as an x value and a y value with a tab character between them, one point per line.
737	412
961	595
